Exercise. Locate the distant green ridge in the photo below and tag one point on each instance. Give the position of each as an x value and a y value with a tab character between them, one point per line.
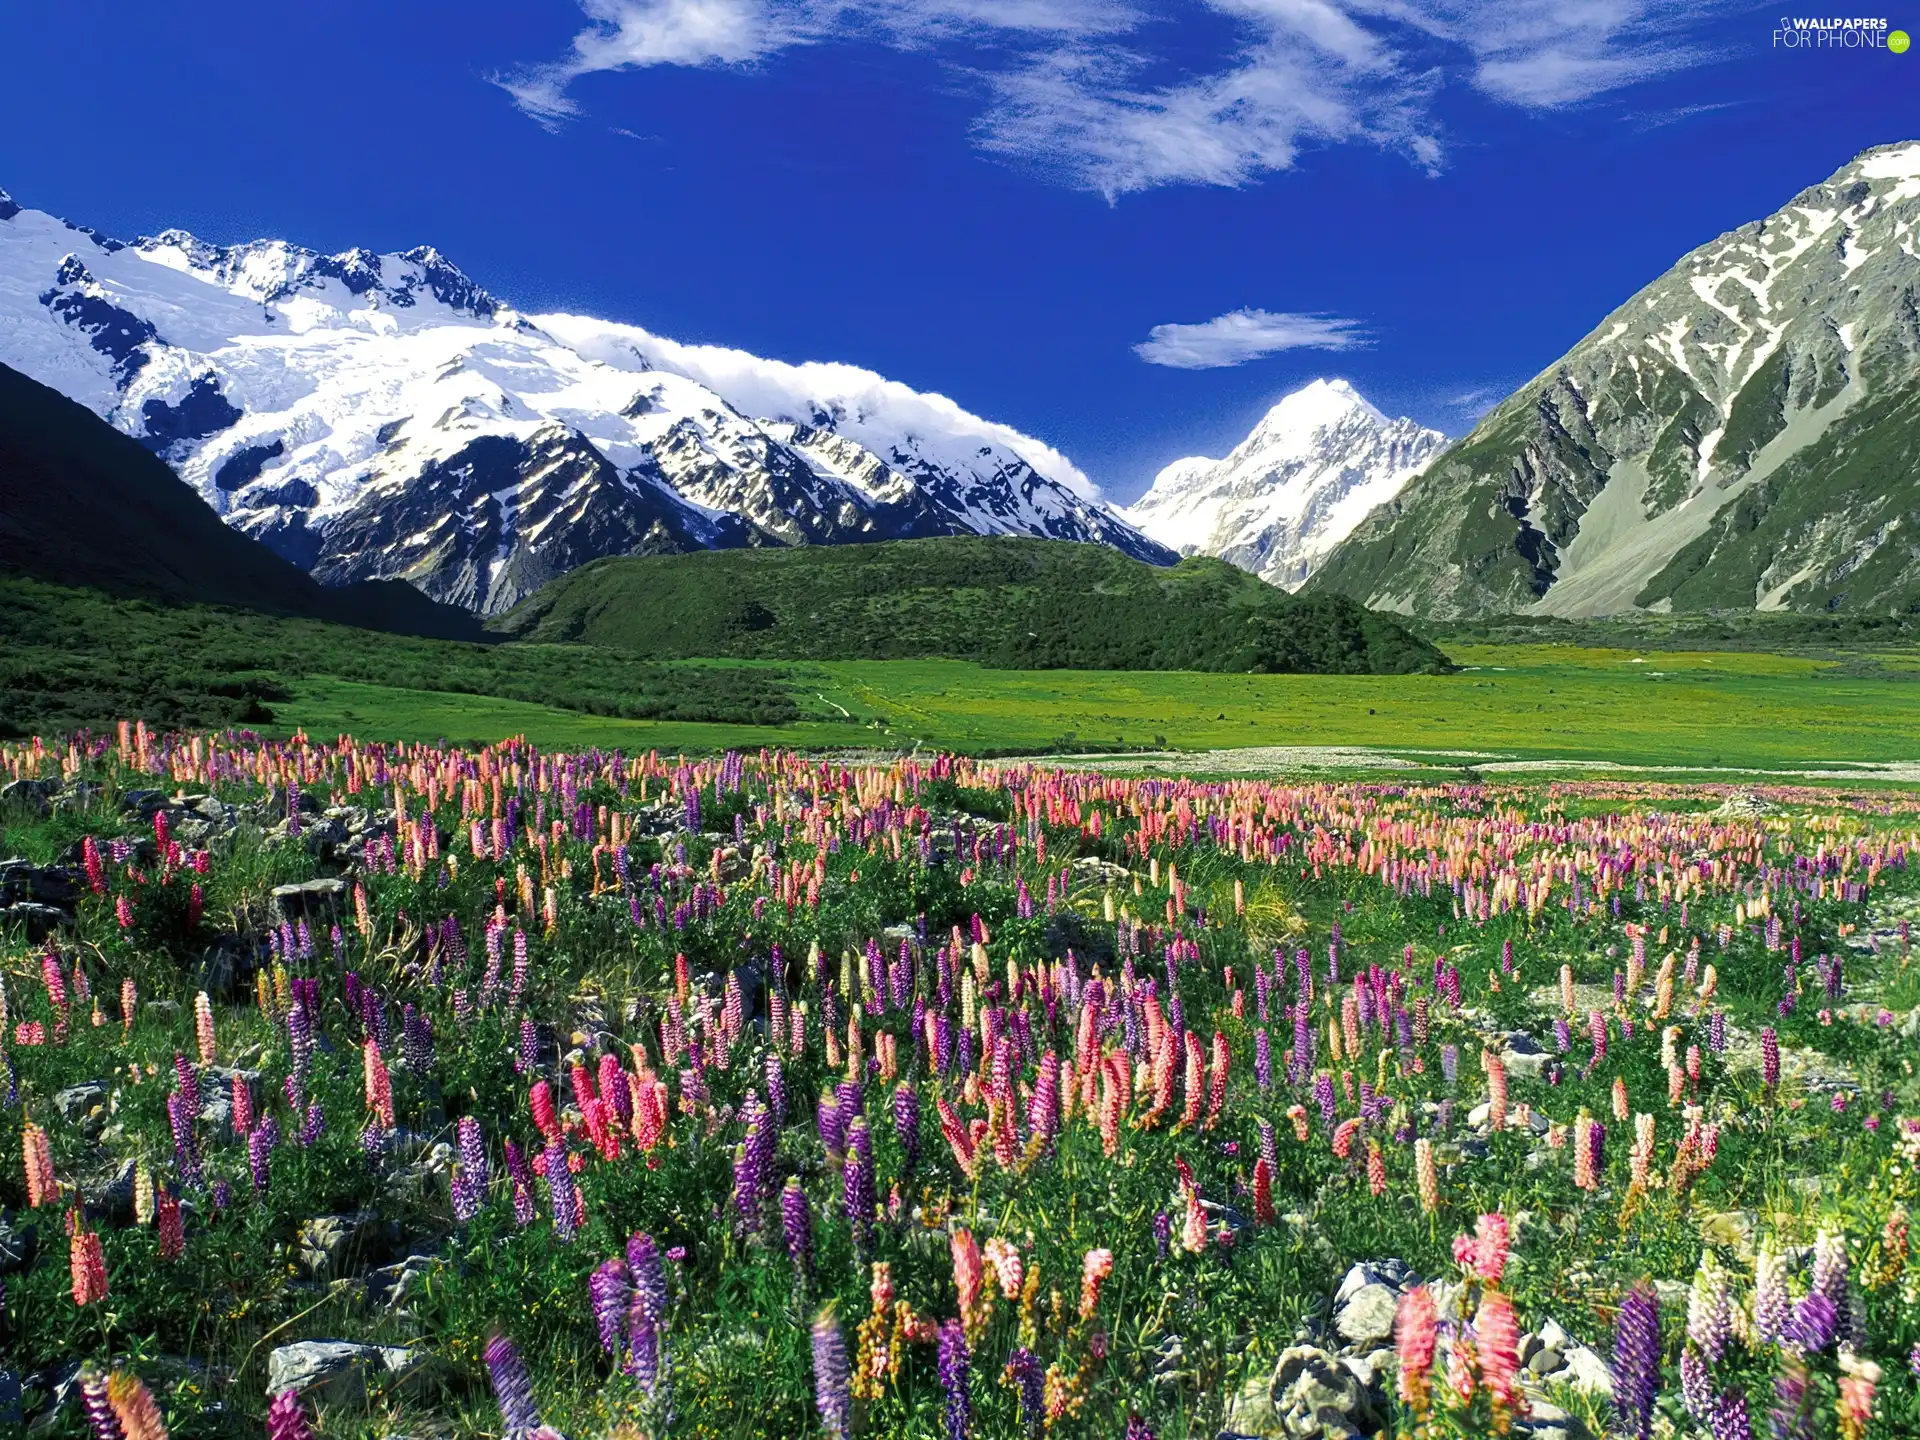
1007	602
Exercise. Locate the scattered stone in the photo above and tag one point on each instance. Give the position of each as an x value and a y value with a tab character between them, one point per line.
76	1101
16	1244
34	795
310	900
337	1372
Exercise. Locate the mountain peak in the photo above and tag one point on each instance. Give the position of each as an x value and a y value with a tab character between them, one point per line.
1316	463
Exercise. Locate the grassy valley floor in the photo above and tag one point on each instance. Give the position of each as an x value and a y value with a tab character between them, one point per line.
1733	710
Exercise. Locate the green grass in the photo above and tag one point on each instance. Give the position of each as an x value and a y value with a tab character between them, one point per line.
1730	709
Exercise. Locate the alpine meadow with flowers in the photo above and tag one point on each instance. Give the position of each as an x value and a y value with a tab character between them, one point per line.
359	1089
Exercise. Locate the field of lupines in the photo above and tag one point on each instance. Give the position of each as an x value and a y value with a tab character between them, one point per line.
398	1090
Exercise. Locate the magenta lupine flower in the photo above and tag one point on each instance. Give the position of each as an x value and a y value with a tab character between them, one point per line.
1597	1029
507	1373
611	1292
830	1389
796	1223
1636	1361
286	1420
955	1378
1769	1058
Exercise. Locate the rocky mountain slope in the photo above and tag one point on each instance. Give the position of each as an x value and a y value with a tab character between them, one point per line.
1293	489
82	505
383	416
1744	433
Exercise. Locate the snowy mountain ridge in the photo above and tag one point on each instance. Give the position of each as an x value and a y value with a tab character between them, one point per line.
1309	472
383	416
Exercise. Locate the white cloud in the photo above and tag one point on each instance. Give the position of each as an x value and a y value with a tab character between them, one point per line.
1069	85
1243	335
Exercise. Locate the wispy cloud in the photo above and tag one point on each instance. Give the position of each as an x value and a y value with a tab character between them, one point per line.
1243	335
1067	82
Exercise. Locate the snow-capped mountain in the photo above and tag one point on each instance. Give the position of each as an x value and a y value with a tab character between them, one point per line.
1743	433
1293	489
382	416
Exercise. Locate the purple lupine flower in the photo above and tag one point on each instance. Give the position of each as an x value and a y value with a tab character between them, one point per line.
1262	1060
1302	1042
955	1378
1449	1067
1636	1361
611	1291
796	1223
566	1217
1323	1093
93	1397
313	1124
1729	1420
1769	1058
1162	1232
1562	1034
507	1373
1269	1146
286	1419
1696	1383
1029	1381
1815	1323
857	1190
416	1041
470	1177
181	1113
1137	1428
260	1145
528	1058
1790	1418
776	1079
906	1125
830	1389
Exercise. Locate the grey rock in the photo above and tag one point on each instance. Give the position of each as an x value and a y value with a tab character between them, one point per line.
310	899
1550	1422
1365	1319
1587	1372
1320	1399
337	1372
328	1245
33	795
78	1100
112	1197
17	1244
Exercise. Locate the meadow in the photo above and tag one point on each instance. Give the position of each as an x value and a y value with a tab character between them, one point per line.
1731	709
373	1089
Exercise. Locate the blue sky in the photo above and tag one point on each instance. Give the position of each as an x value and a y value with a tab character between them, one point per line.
1032	206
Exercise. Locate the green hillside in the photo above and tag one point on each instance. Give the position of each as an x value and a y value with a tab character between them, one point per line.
1004	602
